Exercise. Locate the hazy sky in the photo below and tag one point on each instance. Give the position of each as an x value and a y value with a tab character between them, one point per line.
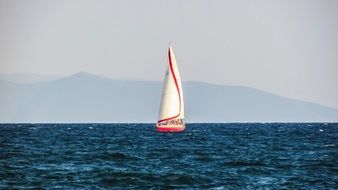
287	47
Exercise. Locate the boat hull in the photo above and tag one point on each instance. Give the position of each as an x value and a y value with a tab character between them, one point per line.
170	128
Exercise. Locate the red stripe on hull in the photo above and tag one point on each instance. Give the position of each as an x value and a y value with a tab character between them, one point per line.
170	129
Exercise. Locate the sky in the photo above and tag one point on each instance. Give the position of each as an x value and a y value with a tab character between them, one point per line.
286	47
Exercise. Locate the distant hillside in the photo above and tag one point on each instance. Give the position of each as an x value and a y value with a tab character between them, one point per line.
87	98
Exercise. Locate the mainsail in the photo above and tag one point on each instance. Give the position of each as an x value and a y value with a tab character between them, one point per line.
172	103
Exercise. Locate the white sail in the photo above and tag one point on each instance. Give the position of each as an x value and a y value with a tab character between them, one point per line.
172	103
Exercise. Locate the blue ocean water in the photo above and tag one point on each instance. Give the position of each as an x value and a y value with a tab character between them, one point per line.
205	156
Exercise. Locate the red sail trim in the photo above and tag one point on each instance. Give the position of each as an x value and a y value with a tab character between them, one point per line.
177	88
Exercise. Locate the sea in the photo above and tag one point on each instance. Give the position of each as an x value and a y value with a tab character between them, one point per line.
135	156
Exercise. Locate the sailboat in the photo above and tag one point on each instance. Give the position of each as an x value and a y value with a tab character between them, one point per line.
171	113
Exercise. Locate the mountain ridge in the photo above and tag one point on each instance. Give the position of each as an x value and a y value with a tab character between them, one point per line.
85	97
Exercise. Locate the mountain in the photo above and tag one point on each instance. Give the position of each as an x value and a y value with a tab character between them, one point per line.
88	98
28	77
